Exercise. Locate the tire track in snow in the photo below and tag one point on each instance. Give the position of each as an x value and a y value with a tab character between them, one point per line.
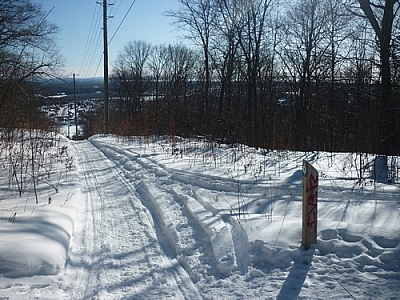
190	243
172	206
129	261
183	233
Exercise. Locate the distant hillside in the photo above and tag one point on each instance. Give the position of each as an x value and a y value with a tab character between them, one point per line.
86	88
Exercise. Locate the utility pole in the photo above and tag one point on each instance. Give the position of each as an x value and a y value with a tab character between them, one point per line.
68	117
105	40
76	115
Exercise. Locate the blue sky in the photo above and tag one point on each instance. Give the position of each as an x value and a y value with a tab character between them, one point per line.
80	23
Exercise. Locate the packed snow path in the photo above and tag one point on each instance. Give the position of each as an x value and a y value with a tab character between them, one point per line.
140	238
124	254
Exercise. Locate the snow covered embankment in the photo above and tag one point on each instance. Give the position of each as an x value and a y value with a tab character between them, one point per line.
35	238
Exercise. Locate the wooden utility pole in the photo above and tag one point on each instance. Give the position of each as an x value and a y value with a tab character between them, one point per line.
105	41
75	108
310	195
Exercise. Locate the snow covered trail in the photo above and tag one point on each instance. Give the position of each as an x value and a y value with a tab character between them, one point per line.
118	254
214	249
199	237
142	219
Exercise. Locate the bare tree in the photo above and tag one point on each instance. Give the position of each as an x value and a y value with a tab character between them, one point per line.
340	27
157	62
129	76
179	69
304	54
251	33
224	49
381	16
197	17
27	47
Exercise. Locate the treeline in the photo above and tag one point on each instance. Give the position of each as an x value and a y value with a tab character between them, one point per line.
304	74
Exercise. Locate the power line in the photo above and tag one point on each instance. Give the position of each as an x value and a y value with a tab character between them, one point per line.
98	65
92	54
88	40
95	52
123	19
93	44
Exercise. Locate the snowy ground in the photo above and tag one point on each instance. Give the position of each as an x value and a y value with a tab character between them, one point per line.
162	219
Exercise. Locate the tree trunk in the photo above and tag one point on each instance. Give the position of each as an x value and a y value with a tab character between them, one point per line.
387	123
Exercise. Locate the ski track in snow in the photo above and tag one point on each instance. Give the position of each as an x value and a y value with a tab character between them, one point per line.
123	253
188	238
